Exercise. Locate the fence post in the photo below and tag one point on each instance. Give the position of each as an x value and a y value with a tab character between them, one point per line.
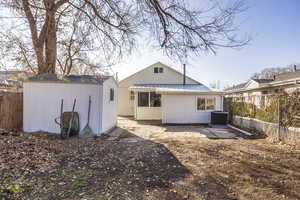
279	119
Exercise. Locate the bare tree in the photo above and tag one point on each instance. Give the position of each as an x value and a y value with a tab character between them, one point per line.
115	24
270	72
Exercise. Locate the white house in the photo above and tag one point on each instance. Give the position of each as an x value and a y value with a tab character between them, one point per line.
42	99
260	91
158	93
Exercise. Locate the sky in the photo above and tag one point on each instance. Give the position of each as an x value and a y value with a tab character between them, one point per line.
275	30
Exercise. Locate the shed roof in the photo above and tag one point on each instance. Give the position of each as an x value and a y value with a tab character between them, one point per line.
174	88
85	79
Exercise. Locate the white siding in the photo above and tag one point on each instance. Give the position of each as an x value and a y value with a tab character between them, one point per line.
42	105
148	113
109	114
125	105
182	109
146	76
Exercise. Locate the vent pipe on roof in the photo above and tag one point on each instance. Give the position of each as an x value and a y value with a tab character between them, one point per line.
117	77
184	74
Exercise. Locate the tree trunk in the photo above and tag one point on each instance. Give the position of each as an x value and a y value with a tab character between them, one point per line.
50	45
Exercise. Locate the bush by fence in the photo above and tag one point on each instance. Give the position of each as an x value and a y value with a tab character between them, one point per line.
244	109
281	113
11	110
282	108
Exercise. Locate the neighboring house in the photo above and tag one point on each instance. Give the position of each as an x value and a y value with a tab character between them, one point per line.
42	101
9	74
257	91
10	79
158	93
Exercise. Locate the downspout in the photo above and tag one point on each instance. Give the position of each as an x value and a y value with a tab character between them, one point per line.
184	74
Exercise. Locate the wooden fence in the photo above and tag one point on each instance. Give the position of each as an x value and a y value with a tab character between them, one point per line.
11	110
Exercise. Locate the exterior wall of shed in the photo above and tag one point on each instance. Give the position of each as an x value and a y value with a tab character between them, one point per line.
181	109
110	112
146	76
42	105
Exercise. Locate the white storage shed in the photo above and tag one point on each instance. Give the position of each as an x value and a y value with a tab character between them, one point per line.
43	95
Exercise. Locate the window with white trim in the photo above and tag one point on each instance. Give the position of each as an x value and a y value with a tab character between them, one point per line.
206	103
149	99
158	70
143	99
155	99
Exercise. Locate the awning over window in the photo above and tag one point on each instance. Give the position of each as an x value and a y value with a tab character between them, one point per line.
174	89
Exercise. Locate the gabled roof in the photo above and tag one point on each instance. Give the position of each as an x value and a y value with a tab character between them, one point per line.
287	76
157	63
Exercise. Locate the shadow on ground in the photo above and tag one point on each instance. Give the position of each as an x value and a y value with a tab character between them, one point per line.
233	169
102	168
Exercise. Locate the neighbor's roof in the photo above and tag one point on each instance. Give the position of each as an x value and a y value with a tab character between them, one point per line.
87	79
287	76
263	80
9	72
236	87
174	88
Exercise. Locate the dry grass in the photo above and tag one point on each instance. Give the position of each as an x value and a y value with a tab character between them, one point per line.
41	166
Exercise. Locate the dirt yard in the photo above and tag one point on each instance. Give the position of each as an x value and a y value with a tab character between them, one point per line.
148	161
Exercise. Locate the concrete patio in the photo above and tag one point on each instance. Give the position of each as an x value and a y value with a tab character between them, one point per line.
141	130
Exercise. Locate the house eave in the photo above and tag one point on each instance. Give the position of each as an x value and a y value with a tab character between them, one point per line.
268	86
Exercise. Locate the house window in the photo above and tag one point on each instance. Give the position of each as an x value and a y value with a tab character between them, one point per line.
131	95
111	94
208	103
155	99
149	99
158	70
143	99
200	103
